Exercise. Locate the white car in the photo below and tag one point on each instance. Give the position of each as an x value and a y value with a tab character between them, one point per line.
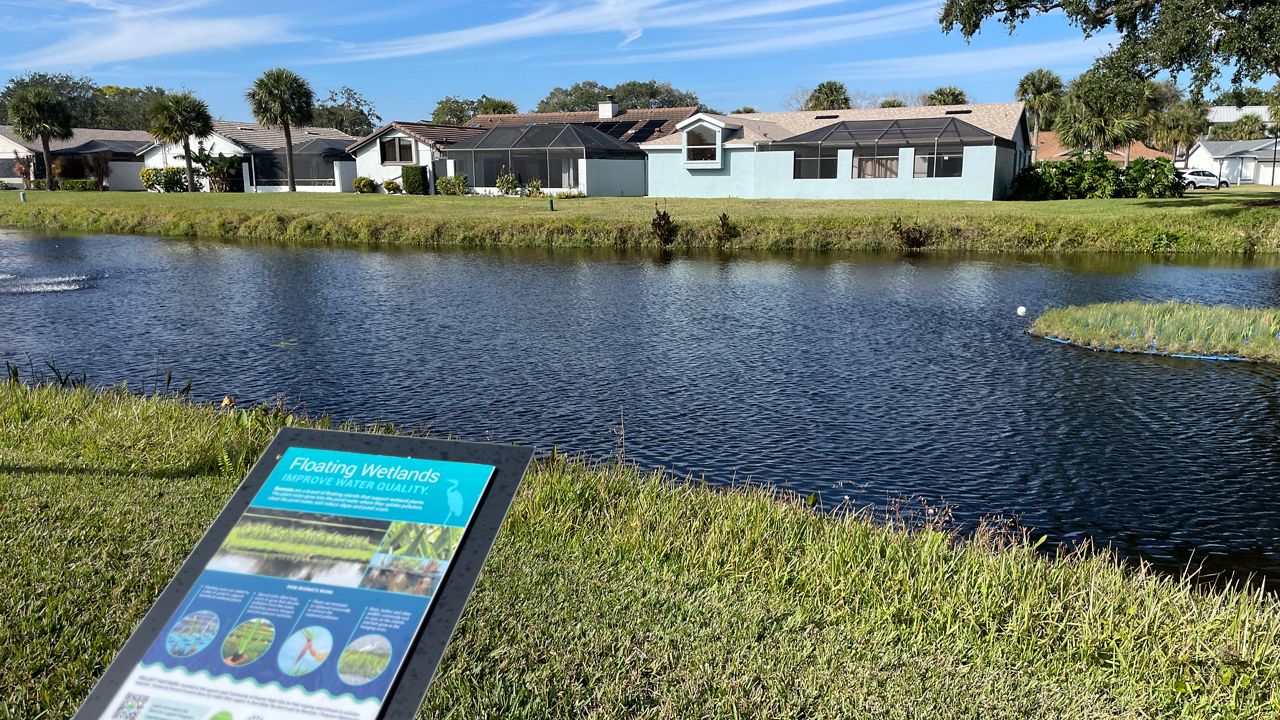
1203	179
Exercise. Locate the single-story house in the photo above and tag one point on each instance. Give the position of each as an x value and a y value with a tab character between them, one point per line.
630	126
1237	161
1051	149
321	162
951	152
562	157
84	143
384	153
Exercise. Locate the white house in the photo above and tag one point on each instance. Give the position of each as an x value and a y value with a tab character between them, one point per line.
954	152
562	157
1239	162
121	145
383	154
321	162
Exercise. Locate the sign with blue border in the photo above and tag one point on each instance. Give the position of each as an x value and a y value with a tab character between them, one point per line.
327	588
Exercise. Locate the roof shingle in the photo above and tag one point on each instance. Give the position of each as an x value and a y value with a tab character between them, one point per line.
640	128
425	132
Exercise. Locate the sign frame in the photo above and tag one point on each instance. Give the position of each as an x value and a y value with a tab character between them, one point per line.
410	686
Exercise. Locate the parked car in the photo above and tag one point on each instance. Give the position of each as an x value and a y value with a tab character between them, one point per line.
1203	179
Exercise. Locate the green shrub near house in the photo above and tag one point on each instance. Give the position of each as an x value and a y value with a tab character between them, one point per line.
78	185
414	179
1097	178
167	180
456	185
364	185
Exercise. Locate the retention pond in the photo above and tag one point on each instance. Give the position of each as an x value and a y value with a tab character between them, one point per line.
856	378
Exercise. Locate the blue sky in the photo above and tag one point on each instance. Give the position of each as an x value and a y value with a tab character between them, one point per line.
406	56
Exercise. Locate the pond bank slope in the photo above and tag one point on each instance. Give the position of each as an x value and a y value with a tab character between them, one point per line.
1238	222
615	593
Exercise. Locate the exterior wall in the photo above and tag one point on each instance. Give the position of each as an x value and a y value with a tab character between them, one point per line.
369	160
1231	169
163	156
610	178
8	151
747	173
1267	173
1008	161
124	176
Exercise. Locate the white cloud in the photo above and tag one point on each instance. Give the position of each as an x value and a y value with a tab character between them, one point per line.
805	33
1018	57
629	18
133	32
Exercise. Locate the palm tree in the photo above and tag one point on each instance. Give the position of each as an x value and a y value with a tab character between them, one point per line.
893	102
1041	91
282	99
829	95
175	119
947	95
1085	125
38	112
1180	126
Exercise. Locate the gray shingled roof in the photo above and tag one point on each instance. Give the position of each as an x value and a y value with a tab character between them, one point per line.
255	138
83	136
1235	148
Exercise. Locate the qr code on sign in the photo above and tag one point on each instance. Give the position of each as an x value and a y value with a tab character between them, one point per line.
131	708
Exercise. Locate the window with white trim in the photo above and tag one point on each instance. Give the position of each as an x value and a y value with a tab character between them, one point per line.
396	151
700	145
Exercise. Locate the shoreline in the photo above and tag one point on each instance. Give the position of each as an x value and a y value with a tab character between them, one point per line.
627	587
1218	224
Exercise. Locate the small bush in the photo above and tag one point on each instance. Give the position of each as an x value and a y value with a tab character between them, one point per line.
508	182
364	185
414	178
533	188
909	237
1096	177
663	227
391	186
78	185
169	180
571	195
456	185
37	184
725	231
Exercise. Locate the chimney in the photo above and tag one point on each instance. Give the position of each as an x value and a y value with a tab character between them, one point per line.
609	108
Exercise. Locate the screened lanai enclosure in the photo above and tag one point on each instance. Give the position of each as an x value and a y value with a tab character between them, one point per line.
313	164
559	156
939	144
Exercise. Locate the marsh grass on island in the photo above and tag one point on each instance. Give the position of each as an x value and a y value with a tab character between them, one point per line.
1167	328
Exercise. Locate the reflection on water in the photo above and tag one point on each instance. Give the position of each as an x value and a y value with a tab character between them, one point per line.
329	572
857	378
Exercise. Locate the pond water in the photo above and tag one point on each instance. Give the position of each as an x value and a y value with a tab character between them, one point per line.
858	378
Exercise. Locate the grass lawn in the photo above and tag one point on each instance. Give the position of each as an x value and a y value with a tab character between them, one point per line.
1237	220
1167	328
614	593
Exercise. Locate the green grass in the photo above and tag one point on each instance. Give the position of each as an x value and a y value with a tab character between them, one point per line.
616	593
1167	328
1235	221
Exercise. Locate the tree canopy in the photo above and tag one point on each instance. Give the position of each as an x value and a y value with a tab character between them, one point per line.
947	95
1103	111
1198	37
454	110
280	98
829	95
1243	96
1248	127
630	95
893	102
1042	91
348	111
174	119
112	107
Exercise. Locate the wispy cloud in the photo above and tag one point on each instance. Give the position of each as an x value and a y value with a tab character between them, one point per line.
627	18
803	33
133	32
969	62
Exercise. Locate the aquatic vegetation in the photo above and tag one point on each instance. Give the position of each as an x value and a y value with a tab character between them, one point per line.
1170	328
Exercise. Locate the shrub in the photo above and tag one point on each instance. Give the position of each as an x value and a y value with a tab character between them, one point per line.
909	237
663	227
508	182
391	186
78	185
170	180
364	185
414	178
533	188
37	185
1096	177
456	185
571	195
725	231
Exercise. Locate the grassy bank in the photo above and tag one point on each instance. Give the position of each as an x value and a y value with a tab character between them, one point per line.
1167	328
1236	221
614	593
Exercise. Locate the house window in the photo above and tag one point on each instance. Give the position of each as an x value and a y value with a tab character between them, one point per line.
700	145
877	166
949	164
397	151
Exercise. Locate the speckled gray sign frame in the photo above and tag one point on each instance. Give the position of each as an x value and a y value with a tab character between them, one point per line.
410	686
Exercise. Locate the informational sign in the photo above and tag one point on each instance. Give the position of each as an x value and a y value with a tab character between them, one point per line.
327	588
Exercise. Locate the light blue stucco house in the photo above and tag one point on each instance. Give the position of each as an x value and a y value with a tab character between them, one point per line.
949	152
